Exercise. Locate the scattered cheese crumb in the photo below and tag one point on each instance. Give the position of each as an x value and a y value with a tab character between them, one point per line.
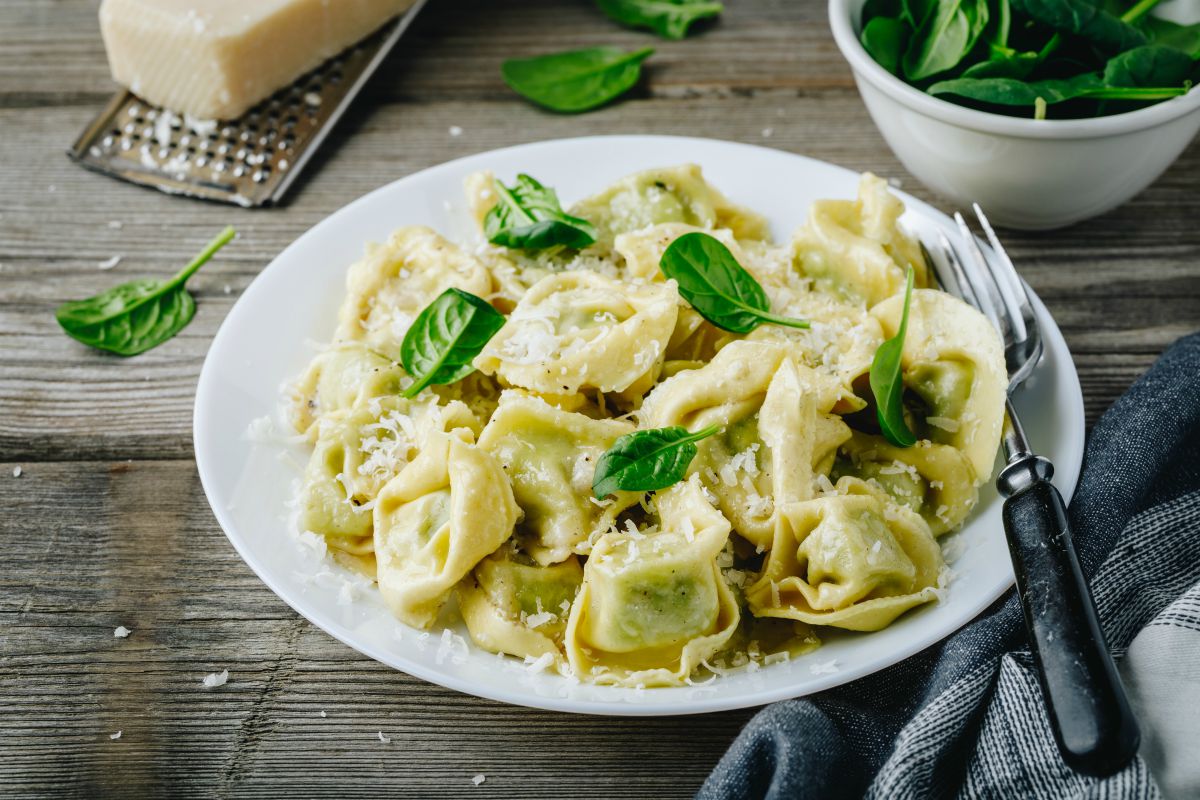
227	289
16	472
323	714
110	263
116	735
455	131
215	679
478	779
824	667
384	739
768	132
121	632
539	664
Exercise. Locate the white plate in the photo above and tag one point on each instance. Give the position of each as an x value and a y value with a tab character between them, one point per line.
267	340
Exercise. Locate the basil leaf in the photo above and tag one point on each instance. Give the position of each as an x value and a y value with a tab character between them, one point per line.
885	39
887	384
136	316
643	461
668	18
528	216
945	38
1086	19
576	80
717	286
445	337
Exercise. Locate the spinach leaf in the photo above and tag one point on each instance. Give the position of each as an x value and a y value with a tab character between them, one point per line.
944	39
1000	27
575	80
643	461
1150	65
1011	92
445	337
914	12
887	381
668	18
717	286
1169	34
528	216
1014	92
1139	10
136	316
885	39
1084	18
1018	66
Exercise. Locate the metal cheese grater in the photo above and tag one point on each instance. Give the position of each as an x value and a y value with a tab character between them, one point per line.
251	161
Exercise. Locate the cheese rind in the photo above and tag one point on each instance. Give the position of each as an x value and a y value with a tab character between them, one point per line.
214	59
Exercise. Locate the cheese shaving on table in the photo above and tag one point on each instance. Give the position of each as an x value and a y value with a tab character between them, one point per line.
215	679
121	632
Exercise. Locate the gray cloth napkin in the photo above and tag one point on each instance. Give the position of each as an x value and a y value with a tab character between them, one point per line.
966	718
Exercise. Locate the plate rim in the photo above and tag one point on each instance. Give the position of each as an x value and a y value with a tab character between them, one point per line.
1066	478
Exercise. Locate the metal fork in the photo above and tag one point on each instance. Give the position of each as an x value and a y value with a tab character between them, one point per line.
1093	724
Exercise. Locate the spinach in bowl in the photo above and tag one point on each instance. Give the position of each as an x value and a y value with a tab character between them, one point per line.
1065	59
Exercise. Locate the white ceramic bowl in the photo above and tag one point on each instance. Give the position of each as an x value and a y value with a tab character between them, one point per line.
1025	173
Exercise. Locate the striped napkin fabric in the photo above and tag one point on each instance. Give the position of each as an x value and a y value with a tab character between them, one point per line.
966	718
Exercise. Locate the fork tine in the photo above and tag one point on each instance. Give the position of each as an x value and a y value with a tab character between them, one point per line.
986	288
1011	286
961	284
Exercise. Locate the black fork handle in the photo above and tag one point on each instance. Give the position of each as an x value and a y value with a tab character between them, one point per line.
1093	723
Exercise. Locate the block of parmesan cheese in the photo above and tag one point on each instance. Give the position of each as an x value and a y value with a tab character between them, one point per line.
214	59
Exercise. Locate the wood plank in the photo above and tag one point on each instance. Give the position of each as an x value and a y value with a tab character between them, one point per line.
141	550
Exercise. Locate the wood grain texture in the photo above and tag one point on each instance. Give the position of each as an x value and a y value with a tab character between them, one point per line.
107	524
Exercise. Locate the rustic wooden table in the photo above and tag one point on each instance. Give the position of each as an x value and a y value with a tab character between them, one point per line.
106	523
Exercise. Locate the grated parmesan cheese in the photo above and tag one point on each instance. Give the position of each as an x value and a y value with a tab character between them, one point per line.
478	779
116	735
121	632
384	739
945	423
215	679
824	667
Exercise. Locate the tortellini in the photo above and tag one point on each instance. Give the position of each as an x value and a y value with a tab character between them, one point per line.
856	248
549	456
954	362
642	250
772	440
512	605
475	497
673	194
847	561
445	511
357	451
576	331
345	375
392	283
934	480
653	604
